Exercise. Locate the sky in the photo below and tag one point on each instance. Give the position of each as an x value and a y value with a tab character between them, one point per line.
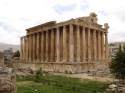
18	15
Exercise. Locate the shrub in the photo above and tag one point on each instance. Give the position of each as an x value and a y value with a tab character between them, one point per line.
38	75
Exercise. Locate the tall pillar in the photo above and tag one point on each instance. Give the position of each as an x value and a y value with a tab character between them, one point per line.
57	45
37	47
21	48
89	46
46	57
95	43
31	45
42	46
52	46
71	43
33	37
64	44
31	48
106	45
102	44
25	48
99	46
78	43
84	43
28	46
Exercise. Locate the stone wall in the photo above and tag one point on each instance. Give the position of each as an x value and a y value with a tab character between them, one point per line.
7	80
64	67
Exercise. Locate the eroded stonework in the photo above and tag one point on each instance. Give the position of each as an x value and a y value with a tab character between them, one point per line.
7	80
73	45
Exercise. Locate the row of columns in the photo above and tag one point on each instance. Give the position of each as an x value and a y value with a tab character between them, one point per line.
70	43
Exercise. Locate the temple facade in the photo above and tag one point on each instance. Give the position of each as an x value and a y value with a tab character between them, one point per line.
75	45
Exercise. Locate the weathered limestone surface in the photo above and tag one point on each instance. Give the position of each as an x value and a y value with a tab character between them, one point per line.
1	59
65	45
7	80
99	68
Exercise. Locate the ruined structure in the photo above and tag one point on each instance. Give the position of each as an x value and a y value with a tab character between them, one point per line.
1	59
7	80
75	45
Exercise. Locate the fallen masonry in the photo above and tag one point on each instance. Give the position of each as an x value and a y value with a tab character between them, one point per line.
7	80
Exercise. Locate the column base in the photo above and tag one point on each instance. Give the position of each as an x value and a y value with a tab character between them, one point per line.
65	67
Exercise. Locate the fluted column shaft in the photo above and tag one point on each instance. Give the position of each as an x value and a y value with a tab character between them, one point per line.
37	47
33	47
99	46
106	45
47	36
29	48
95	44
25	48
102	44
42	48
78	43
71	43
64	44
57	45
21	48
89	46
84	44
52	46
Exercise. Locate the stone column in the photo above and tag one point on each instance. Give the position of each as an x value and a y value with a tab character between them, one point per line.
57	45
84	43
42	46
29	50
46	57
33	49
95	45
78	43
21	48
102	44
52	46
26	49
71	43
37	47
64	45
99	46
106	45
89	46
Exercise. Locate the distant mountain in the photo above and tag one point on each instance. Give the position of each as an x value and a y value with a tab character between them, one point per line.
4	46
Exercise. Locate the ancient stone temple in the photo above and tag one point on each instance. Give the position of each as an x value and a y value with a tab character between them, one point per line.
75	45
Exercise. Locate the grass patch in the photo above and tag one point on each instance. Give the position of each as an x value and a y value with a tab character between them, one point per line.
58	84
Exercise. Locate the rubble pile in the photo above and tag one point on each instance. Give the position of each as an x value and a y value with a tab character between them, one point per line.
7	80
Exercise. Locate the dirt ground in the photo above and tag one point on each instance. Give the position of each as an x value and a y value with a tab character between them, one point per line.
87	76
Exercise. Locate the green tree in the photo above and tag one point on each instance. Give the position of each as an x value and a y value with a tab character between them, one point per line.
16	54
118	64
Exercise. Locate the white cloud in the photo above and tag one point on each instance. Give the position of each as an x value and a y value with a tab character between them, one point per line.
17	15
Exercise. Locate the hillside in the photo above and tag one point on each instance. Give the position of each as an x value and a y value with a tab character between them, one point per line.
4	46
